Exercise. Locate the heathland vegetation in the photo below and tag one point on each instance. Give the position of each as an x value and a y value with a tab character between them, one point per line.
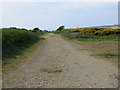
101	38
90	34
16	40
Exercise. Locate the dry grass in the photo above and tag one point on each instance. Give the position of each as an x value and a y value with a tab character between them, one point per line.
107	50
104	50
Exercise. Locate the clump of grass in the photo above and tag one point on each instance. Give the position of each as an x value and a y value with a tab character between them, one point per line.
52	70
109	54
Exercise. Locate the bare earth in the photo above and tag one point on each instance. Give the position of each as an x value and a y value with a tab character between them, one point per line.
79	69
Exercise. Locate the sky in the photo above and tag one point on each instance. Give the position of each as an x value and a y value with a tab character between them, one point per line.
49	15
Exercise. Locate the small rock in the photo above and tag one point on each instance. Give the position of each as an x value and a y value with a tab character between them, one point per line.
26	70
79	85
62	65
41	82
90	87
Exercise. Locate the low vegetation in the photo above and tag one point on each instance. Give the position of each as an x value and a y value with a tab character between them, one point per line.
102	36
90	34
109	54
16	40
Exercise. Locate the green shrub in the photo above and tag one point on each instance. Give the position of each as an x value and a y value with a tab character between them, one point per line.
14	40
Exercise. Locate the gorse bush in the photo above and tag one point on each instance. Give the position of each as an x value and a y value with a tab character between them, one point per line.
14	40
94	31
108	31
90	34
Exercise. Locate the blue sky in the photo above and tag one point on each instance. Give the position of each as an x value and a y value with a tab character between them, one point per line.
50	15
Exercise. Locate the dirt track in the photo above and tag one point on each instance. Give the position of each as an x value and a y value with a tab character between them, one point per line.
79	69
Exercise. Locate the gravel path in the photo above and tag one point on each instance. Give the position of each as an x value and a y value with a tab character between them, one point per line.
79	69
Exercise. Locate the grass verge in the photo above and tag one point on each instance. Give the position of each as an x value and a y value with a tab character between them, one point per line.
18	45
108	54
14	41
16	62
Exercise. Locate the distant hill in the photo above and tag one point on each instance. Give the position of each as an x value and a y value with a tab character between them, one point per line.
106	26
